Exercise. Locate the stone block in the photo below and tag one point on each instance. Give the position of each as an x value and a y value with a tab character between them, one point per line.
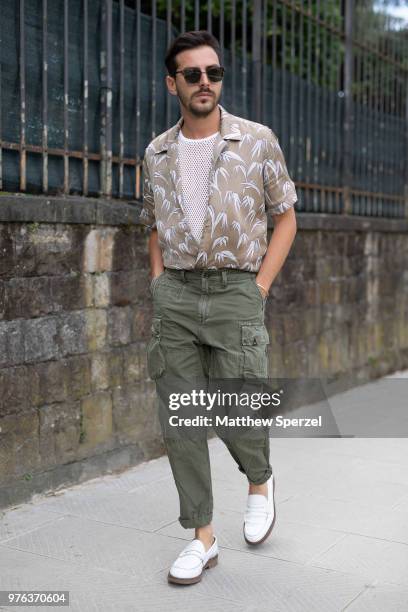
323	352
96	328
17	390
52	381
294	359
292	296
312	351
98	249
19	445
68	292
276	329
48	250
102	289
135	363
2	300
276	295
59	433
132	412
8	255
124	288
311	322
41	340
27	297
115	366
12	349
129	247
79	375
324	268
96	419
88	288
292	326
100	375
276	361
292	271
119	325
72	336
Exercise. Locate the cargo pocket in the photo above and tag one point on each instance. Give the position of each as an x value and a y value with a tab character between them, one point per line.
254	340
155	356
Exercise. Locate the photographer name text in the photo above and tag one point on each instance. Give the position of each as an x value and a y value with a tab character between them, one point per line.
244	421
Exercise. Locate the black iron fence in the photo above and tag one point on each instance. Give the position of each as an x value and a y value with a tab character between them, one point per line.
82	93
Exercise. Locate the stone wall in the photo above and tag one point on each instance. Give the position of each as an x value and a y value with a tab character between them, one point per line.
75	399
75	311
339	307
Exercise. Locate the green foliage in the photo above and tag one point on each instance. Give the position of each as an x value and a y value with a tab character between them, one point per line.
311	45
278	27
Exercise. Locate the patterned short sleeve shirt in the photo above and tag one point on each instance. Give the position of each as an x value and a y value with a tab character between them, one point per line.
248	180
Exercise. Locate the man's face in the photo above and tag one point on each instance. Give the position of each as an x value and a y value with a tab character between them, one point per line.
190	94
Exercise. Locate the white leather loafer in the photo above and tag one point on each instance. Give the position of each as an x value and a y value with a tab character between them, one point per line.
259	517
192	561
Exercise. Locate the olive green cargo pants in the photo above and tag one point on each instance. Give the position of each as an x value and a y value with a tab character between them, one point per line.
207	324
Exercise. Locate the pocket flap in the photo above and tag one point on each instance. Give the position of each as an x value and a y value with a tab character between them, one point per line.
254	335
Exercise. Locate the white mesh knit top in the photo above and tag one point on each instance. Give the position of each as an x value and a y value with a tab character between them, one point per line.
195	157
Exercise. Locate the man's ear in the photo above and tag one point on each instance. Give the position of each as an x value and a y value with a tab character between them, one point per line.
171	85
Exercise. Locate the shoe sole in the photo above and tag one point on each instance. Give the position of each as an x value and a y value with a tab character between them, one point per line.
267	534
210	563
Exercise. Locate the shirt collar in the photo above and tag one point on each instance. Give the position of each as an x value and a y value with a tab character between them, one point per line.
229	130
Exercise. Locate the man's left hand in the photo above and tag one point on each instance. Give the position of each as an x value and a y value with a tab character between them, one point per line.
262	290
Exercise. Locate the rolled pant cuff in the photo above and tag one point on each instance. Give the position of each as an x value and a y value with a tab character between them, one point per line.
198	521
263	479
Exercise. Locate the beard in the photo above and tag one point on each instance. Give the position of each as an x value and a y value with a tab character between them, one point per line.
197	107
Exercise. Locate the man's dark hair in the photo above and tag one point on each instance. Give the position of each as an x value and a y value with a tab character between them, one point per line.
189	40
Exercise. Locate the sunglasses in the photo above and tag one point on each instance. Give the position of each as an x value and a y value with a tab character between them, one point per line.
193	75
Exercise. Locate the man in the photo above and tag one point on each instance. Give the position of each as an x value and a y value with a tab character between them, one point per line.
209	183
